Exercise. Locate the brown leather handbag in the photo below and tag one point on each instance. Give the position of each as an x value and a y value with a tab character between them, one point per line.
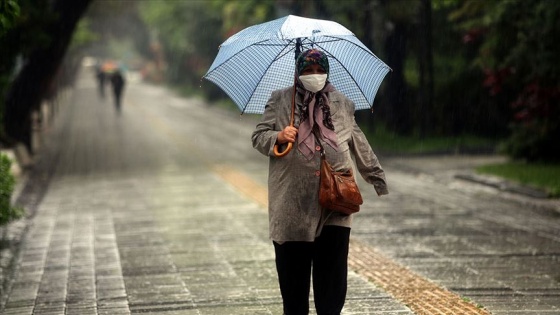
338	190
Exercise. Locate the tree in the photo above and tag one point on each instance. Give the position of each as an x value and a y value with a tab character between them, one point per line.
120	32
9	15
185	30
9	12
518	49
190	32
40	67
396	107
426	67
387	28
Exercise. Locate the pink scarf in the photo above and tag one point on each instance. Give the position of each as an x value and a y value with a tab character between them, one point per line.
311	114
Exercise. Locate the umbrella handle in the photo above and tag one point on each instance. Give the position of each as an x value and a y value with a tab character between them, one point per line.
290	144
281	154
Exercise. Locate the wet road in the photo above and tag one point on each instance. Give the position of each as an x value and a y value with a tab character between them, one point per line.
139	218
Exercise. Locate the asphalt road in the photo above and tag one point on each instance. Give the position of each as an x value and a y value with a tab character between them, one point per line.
138	218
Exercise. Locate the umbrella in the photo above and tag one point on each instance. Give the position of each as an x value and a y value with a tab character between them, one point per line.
261	58
109	67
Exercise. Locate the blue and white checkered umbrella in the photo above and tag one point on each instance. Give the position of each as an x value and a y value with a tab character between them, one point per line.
260	59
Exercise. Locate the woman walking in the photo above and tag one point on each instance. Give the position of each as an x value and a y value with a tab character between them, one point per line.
309	241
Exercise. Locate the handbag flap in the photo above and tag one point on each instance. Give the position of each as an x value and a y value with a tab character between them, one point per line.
347	188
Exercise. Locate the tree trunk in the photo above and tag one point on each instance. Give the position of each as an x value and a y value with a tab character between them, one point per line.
38	72
425	63
397	111
366	24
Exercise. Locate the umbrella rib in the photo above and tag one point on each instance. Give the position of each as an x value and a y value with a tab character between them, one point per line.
362	48
237	53
277	57
264	44
342	65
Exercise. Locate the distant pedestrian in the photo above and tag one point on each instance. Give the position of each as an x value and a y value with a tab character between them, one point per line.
118	82
311	241
101	76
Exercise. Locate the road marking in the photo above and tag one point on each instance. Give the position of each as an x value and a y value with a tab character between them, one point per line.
244	184
420	294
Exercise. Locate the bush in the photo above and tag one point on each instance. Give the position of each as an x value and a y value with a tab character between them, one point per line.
536	128
7	182
530	143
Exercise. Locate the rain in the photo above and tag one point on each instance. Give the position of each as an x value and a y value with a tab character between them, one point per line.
130	183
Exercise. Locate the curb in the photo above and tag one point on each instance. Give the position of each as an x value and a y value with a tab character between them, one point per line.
13	232
22	162
528	196
504	185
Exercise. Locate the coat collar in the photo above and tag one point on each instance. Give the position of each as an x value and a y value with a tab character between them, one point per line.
334	101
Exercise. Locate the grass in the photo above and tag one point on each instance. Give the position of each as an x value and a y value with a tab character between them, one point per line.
539	175
545	176
390	143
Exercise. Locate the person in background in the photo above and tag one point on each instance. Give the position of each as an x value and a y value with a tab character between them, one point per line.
118	83
100	76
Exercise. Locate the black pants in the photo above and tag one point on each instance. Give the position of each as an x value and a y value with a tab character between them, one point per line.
327	256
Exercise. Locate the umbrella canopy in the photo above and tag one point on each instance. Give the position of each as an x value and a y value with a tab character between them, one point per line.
109	67
261	58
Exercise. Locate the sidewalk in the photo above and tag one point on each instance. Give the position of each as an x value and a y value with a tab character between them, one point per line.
120	226
206	252
460	171
135	215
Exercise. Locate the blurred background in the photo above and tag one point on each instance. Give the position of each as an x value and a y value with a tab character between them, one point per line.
469	76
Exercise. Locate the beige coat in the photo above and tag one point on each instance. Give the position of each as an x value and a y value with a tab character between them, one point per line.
293	181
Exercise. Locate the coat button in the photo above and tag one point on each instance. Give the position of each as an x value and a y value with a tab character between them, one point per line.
318	148
317	173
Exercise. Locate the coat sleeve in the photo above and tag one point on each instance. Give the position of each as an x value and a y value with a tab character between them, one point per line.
366	160
265	135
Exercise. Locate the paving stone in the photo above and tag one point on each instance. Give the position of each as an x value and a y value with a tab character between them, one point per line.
137	219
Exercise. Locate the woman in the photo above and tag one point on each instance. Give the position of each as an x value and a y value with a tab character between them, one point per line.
308	239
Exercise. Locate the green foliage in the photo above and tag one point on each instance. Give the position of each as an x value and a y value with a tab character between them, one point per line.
237	15
536	129
23	32
542	175
113	22
389	142
190	33
27	33
9	12
485	55
517	52
7	182
83	35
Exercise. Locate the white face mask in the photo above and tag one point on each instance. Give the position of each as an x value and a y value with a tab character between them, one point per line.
313	82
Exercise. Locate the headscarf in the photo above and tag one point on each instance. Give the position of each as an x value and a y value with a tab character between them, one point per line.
315	108
312	56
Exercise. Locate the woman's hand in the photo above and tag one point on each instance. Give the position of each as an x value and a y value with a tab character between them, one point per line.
287	135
